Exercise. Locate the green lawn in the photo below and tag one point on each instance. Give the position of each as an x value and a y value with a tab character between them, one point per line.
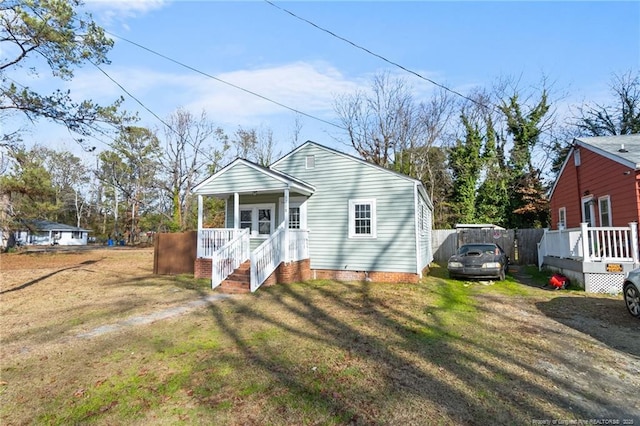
316	353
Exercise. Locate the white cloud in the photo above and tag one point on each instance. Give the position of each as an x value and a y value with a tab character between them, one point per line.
108	12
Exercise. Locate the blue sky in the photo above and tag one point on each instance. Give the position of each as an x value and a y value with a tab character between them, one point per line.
254	45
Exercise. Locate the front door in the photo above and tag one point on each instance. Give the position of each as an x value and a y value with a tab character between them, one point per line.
588	211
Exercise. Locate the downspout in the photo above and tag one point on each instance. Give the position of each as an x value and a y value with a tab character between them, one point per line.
416	206
200	208
286	256
236	210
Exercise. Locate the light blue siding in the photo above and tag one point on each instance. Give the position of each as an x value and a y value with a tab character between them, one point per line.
339	178
241	177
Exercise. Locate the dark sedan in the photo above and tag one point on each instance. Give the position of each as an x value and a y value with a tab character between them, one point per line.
481	260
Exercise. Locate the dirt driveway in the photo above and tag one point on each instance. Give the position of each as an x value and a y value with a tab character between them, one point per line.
586	347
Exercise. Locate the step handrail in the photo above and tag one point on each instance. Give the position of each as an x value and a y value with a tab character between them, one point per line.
229	257
266	258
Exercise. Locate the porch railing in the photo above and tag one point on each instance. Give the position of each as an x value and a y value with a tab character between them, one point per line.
591	244
210	240
298	245
229	257
266	258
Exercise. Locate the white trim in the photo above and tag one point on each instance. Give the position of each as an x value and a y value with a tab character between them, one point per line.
608	199
310	164
352	220
295	183
254	217
418	227
562	218
609	155
294	202
587	202
577	143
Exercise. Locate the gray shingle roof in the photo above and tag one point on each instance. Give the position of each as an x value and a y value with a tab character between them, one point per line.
46	225
624	149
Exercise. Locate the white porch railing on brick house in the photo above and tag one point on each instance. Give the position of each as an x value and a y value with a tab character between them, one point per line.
591	244
298	245
281	246
210	239
229	257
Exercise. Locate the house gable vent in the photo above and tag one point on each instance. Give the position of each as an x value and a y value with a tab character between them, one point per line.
311	162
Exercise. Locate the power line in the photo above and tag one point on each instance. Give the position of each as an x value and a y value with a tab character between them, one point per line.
235	86
167	125
357	46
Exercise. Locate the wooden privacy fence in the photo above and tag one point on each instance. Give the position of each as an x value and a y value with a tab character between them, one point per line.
520	245
175	254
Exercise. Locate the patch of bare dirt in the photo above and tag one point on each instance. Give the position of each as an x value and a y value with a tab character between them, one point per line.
48	298
584	347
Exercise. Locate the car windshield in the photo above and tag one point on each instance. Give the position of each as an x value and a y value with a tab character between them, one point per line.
478	248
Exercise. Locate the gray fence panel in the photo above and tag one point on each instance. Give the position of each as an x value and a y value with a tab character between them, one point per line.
521	246
528	240
444	243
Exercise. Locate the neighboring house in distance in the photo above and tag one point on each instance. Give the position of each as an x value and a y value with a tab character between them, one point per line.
44	232
595	208
598	183
347	220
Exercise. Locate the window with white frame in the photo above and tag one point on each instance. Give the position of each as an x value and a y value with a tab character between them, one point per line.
604	207
562	218
258	218
310	161
76	235
297	212
362	218
294	217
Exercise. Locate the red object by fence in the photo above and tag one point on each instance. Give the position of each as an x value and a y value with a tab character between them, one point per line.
558	281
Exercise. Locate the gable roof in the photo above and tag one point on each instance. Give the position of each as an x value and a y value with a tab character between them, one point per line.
282	178
47	225
624	149
358	160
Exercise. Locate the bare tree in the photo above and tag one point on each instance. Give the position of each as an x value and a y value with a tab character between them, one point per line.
194	146
256	144
621	118
381	123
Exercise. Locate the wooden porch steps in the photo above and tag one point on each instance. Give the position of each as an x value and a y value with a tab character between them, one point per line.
239	281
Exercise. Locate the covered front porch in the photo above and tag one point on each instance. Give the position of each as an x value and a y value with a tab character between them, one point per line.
597	258
264	226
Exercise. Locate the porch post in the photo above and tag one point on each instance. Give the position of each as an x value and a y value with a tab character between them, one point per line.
286	225
236	210
199	241
586	252
633	226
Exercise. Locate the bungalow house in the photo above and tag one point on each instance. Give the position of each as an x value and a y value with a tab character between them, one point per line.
595	209
314	213
44	232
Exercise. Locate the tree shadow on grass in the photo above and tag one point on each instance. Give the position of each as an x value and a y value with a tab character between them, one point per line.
416	353
604	319
44	277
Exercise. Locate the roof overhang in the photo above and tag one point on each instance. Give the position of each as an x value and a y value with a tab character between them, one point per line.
283	181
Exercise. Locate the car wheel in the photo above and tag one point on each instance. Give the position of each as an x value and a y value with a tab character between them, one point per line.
632	300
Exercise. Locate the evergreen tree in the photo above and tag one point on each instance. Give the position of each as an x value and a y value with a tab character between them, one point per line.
465	163
493	194
528	206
